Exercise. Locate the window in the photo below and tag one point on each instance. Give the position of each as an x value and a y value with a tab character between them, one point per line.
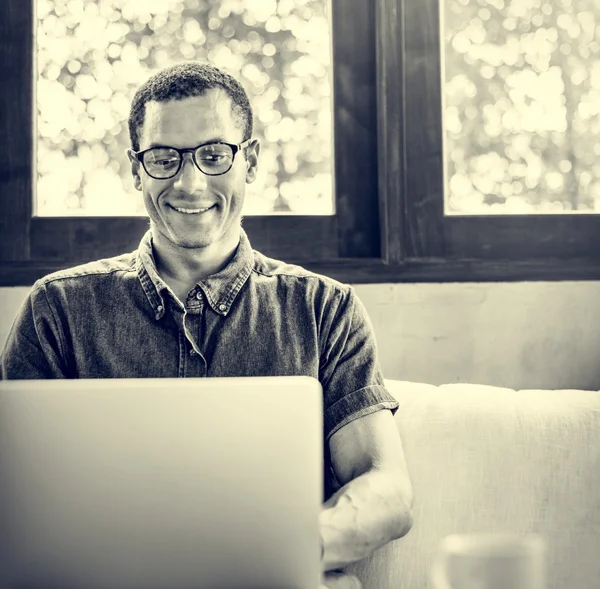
33	244
409	204
92	56
521	87
477	244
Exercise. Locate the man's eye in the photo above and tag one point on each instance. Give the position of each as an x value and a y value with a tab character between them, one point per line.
165	162
214	158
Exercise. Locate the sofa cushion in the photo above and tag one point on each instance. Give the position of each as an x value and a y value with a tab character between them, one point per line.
485	459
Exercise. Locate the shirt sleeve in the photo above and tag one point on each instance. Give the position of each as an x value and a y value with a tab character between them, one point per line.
350	374
33	349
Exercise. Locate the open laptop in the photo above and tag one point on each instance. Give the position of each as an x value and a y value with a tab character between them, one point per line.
161	483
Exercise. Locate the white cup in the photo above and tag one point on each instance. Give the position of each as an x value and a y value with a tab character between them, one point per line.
490	561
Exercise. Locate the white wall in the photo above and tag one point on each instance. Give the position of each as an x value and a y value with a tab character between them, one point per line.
519	335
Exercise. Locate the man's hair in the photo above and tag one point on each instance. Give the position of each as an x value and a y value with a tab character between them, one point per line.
186	80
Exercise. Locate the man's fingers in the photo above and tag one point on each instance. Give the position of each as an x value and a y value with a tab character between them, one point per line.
334	580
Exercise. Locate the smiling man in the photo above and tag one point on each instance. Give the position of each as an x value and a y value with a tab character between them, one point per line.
194	195
195	300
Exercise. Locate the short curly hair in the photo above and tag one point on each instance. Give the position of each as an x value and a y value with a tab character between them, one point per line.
185	80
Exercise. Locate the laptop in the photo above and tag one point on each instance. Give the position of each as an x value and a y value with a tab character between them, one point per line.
161	483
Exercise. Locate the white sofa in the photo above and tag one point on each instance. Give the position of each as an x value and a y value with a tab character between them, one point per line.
487	459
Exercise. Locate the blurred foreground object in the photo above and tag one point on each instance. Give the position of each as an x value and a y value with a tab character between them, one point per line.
490	561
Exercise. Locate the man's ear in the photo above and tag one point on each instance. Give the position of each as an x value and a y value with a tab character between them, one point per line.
135	170
252	161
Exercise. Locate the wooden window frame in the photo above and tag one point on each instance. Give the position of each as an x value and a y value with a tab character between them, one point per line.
389	224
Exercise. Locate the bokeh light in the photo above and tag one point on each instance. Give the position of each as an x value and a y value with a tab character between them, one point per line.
93	54
522	107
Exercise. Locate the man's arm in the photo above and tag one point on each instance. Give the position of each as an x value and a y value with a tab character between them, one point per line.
374	504
32	349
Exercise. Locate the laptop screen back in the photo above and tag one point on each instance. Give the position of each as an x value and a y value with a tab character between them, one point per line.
156	484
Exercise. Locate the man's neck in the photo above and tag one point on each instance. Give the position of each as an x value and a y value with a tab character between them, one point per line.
182	268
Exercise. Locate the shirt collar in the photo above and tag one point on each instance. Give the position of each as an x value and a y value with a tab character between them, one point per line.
220	289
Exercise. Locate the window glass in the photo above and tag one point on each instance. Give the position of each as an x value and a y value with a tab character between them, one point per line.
521	106
92	55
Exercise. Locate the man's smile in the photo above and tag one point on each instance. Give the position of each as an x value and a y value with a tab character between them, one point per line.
192	211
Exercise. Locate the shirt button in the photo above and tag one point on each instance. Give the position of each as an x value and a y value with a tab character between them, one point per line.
159	309
199	295
222	307
192	353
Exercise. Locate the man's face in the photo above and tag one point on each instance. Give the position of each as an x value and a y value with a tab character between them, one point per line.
188	123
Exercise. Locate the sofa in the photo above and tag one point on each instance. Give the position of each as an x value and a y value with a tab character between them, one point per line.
488	459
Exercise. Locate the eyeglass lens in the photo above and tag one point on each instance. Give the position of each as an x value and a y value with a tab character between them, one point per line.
212	159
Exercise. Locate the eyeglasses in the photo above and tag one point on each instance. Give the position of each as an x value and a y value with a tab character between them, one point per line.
212	159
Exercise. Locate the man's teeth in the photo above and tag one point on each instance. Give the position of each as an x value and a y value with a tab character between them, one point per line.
192	211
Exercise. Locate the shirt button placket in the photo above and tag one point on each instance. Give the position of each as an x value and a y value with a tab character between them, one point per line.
197	364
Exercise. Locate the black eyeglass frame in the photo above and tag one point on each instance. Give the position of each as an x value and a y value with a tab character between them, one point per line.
139	155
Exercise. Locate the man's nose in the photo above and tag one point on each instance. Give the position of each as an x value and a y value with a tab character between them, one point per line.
190	179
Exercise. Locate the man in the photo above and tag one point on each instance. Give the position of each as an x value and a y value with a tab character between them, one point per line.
196	300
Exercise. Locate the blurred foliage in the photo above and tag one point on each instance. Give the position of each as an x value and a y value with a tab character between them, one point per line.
92	55
522	106
521	99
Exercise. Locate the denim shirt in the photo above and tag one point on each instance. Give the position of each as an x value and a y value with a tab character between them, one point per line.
116	318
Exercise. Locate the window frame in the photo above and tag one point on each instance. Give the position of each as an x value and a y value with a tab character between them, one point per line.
389	224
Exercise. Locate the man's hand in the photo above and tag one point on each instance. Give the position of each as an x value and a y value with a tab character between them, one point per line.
339	580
